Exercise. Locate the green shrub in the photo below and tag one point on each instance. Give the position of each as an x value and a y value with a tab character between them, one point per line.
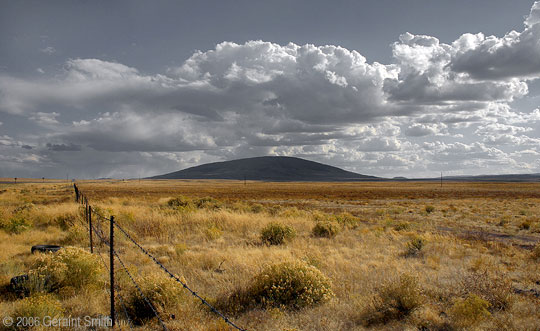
401	226
70	267
325	229
38	306
162	291
24	208
277	234
257	208
395	300
289	285
347	220
494	287
414	246
429	209
181	203
208	203
18	223
465	313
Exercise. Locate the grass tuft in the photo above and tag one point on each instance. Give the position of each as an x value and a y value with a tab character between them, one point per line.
395	300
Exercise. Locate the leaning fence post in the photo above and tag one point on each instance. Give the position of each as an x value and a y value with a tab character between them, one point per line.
76	192
90	227
111	261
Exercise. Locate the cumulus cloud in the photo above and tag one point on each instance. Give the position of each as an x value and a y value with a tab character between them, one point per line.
420	129
429	75
534	16
515	55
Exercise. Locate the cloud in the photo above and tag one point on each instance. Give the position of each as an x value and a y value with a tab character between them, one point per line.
534	15
515	55
6	140
131	131
379	144
64	147
49	50
420	130
44	118
429	75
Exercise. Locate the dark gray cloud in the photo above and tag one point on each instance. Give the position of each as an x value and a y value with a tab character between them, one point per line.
63	147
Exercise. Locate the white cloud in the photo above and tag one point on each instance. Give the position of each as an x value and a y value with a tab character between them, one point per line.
420	130
49	50
44	118
534	16
515	55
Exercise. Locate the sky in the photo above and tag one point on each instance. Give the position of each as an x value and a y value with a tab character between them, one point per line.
127	89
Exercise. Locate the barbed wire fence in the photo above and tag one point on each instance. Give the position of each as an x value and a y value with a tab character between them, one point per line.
91	215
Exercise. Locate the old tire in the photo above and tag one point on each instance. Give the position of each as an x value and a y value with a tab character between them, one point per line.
18	284
45	248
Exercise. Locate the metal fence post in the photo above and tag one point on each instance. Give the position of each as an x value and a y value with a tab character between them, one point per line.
90	227
111	261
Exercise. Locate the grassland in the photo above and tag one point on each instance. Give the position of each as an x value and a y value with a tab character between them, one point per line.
396	255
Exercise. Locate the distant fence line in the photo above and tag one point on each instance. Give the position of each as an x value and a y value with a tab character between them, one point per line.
91	215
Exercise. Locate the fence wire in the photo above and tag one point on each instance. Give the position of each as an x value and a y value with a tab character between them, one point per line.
81	198
131	278
122	302
140	291
173	276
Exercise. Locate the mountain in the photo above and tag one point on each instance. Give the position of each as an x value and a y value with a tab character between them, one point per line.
268	168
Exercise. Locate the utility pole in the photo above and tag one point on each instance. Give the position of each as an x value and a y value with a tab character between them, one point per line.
441	178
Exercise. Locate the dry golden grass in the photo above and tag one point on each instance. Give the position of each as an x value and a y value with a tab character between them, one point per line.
476	267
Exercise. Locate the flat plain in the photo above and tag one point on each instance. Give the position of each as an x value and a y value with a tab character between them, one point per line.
282	256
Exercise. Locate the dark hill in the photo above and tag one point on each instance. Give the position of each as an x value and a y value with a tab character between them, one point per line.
269	168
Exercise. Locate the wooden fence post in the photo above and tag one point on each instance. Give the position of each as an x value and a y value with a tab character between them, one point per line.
90	227
111	261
